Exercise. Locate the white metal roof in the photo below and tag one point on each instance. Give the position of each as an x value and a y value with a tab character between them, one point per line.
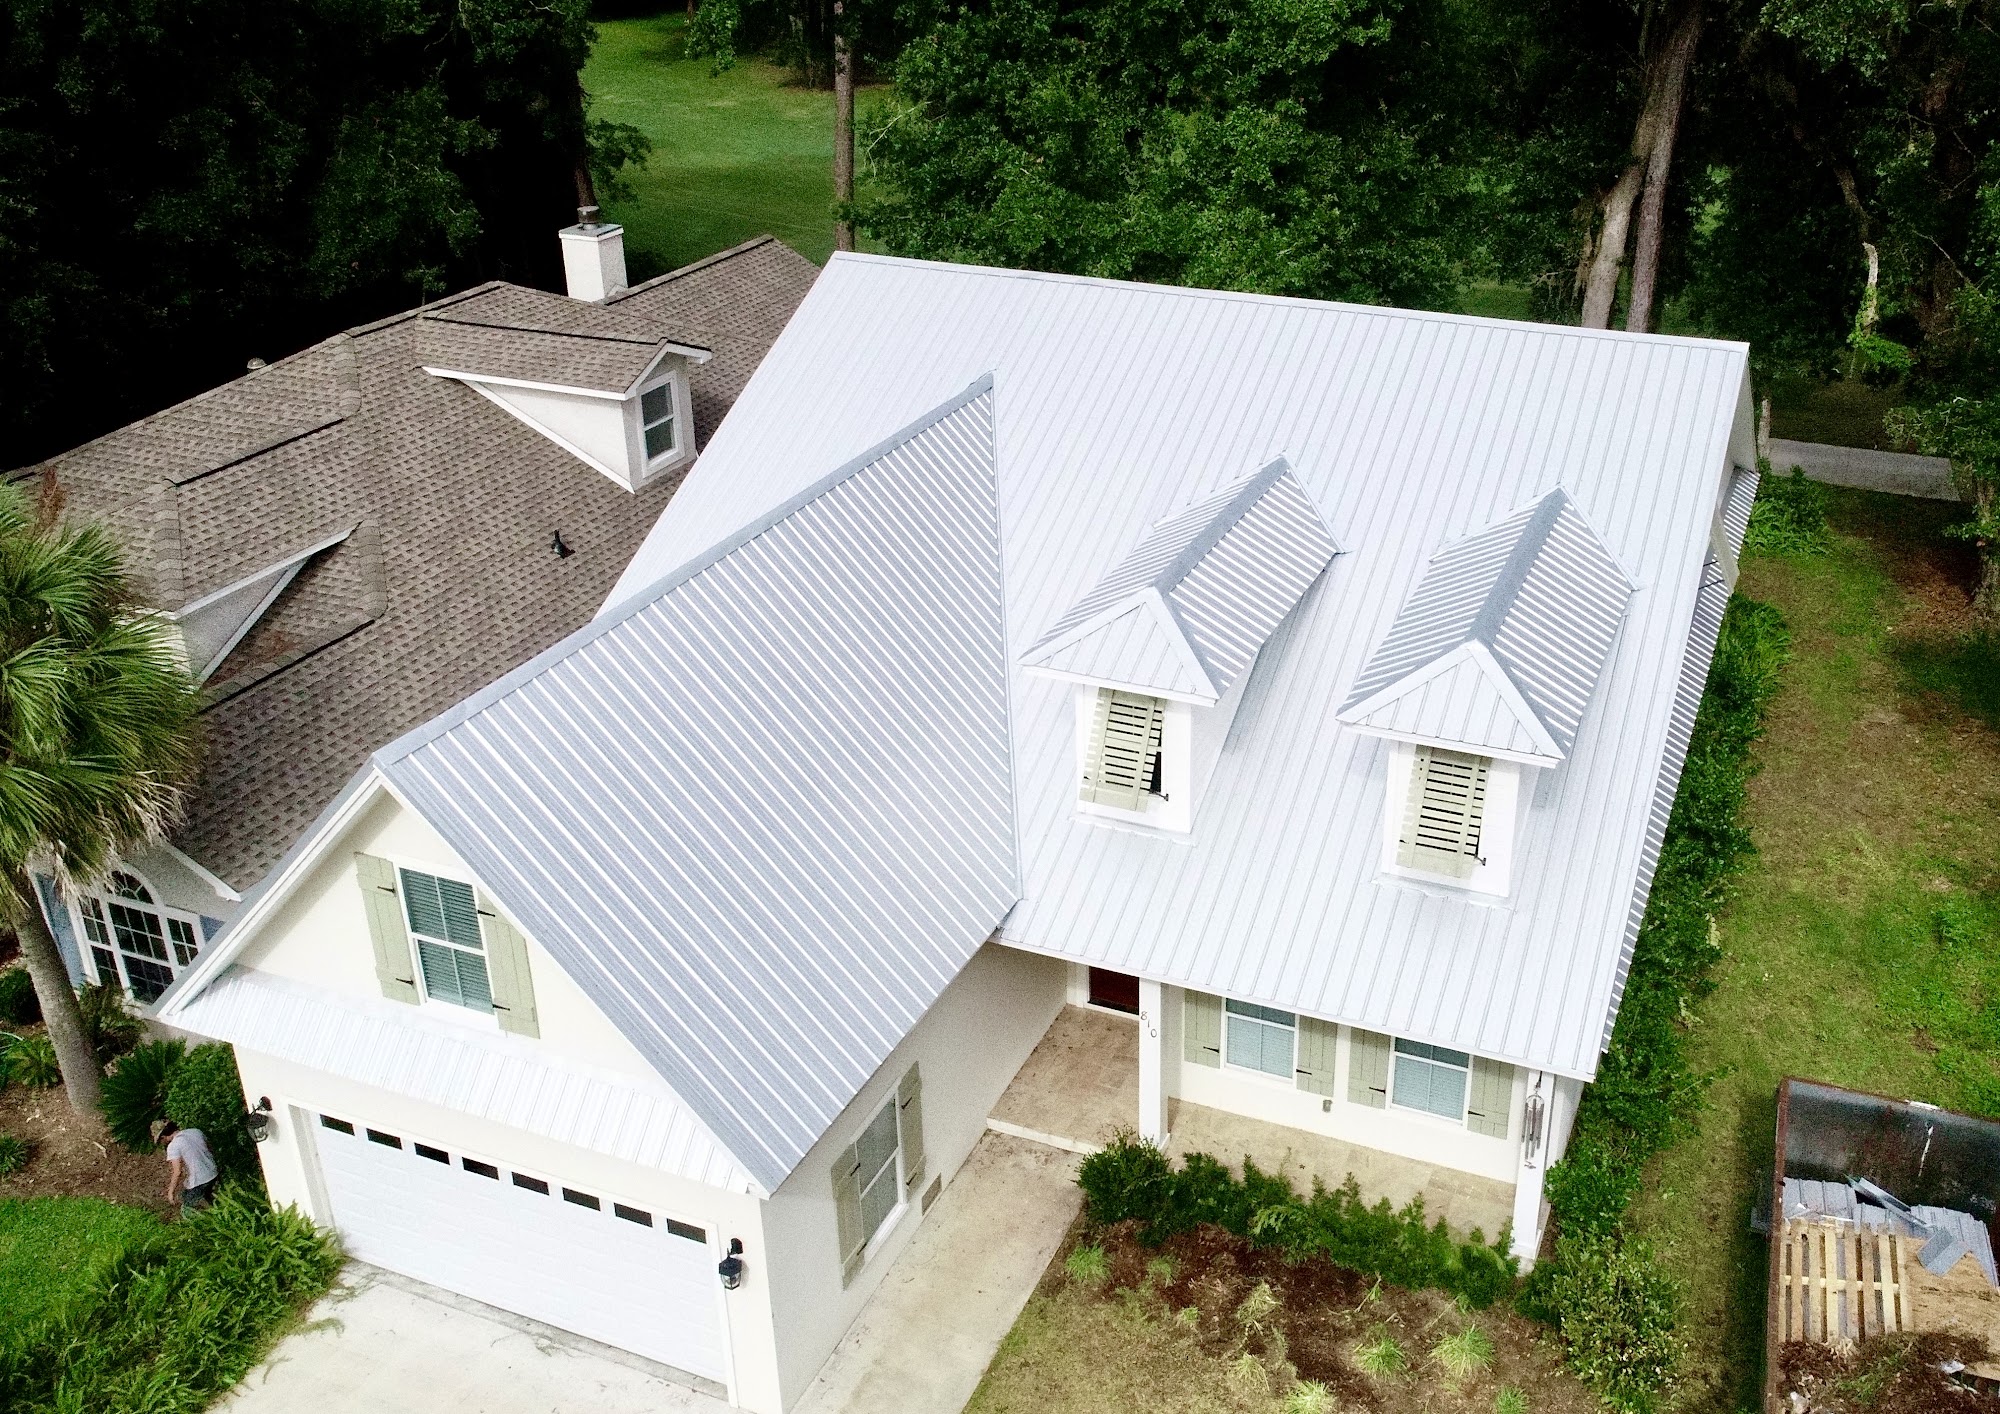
1117	403
763	813
1184	614
501	1078
1500	645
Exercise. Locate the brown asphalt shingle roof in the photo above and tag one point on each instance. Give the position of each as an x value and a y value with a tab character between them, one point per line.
449	579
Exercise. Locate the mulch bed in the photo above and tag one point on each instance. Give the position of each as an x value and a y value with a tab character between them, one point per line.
1891	1374
1324	1313
70	1157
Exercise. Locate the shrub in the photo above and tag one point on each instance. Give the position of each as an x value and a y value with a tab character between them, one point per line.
1789	517
135	1092
1382	1357
174	1322
31	1060
14	1153
1088	1265
1128	1178
1615	1309
108	1024
1464	1354
1309	1397
206	1094
19	1006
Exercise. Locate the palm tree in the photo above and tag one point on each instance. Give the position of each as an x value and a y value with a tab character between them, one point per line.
97	741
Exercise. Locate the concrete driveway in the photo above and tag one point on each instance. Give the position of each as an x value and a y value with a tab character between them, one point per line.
384	1344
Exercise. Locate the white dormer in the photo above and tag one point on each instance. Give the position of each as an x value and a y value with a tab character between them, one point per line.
619	404
1451	817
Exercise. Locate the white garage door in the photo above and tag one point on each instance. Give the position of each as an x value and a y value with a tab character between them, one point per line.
524	1241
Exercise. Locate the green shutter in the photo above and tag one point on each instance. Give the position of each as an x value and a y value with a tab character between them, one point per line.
1201	1028
910	1101
507	967
1368	1068
847	1211
1442	816
395	968
1124	744
1491	1103
1317	1046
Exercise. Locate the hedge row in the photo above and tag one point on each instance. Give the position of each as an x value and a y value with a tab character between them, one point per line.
1132	1180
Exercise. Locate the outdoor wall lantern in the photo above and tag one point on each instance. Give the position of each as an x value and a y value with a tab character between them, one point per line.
730	1268
259	1120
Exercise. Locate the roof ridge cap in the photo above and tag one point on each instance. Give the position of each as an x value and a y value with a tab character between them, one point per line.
428	317
1528	546
754	243
1253	489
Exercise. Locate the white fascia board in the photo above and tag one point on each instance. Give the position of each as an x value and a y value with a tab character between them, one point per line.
274	889
1169	624
475	379
1141	688
693	353
1470	748
594	463
202	872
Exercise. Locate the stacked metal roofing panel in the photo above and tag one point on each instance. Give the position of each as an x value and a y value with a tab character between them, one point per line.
763	814
1500	645
1185	613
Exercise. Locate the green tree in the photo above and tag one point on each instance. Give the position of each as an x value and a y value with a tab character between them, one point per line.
1288	146
97	741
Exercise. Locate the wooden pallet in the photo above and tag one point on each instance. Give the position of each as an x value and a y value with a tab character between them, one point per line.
1838	1282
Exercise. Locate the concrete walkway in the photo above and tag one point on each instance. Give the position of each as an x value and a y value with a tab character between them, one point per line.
924	1341
1898	473
383	1344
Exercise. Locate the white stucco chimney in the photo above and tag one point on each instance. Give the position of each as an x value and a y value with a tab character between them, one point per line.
593	257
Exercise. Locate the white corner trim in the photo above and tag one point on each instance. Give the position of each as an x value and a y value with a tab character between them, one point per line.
202	872
475	379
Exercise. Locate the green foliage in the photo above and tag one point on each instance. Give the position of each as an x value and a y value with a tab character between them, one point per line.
172	1323
108	1023
1615	1309
19	1006
14	1154
1309	1397
1087	1264
1271	145
54	1250
1951	994
1383	1357
31	1060
205	1093
1789	517
135	1092
1132	1179
1510	1400
1463	1354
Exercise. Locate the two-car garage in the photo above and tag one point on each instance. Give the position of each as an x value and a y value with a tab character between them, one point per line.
525	1241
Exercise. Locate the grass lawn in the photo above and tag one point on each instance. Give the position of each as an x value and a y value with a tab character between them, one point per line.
53	1249
1859	944
745	153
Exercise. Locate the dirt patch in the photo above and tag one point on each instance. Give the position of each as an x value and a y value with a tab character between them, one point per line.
72	1158
1893	1374
1241	1305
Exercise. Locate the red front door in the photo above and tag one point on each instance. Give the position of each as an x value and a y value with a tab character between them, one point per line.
1116	990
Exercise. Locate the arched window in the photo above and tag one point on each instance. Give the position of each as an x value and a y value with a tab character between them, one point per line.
133	940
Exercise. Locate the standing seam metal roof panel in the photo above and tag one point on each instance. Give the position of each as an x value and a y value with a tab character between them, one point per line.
1115	403
763	815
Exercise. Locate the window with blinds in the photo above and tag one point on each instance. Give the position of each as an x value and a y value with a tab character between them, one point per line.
444	925
1445	812
1121	764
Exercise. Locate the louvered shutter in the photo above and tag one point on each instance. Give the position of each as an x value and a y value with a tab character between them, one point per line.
1201	1028
395	967
1368	1068
847	1211
1124	744
1317	1047
1491	1102
1442	817
507	967
910	1128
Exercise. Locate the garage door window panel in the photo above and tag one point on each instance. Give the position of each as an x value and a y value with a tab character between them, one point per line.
444	925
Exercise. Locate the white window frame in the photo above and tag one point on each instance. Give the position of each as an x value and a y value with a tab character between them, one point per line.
675	418
442	1006
1499	826
104	898
1397	1056
1290	1076
892	1172
1172	810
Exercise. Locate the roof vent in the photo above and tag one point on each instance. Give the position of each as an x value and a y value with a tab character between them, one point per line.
593	257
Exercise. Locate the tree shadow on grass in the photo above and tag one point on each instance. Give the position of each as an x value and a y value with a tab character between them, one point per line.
1963	668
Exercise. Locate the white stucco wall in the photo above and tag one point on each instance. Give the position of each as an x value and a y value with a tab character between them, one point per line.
969	1046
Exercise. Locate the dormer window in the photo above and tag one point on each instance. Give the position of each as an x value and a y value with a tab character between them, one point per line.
1450	817
656	413
1133	757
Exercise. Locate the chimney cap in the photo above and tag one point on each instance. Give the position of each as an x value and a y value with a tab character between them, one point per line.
586	217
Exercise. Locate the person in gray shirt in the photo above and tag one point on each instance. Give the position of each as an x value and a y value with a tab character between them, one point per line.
190	1165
